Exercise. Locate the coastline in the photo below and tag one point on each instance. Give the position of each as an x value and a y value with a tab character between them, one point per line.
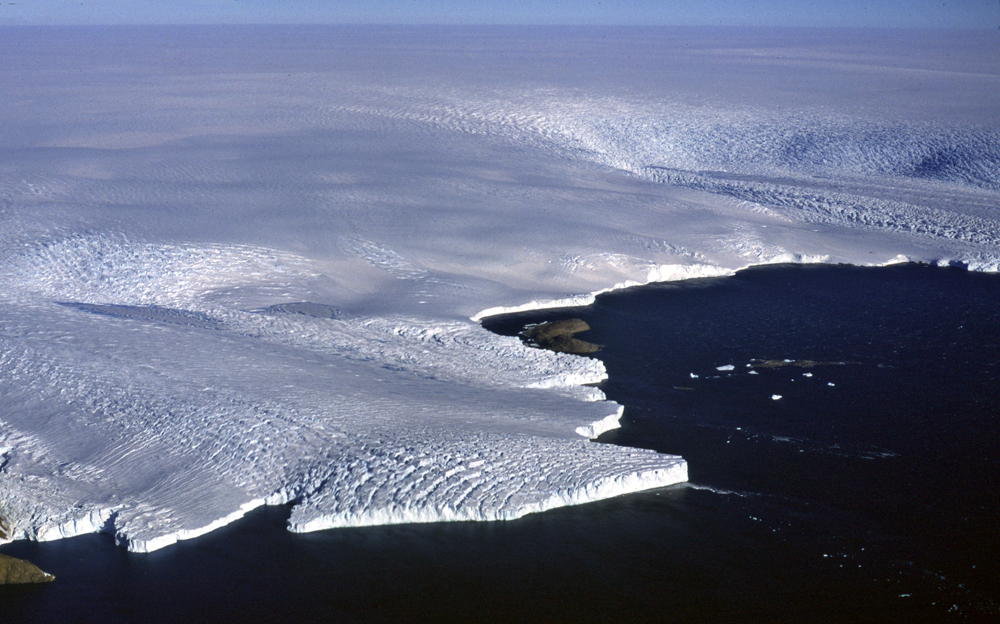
679	272
808	537
99	524
149	246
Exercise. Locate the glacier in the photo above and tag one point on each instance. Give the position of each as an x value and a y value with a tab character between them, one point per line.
245	265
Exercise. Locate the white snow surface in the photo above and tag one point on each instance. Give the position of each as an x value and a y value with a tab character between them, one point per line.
243	265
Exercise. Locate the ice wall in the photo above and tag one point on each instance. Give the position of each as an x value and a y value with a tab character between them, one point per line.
239	264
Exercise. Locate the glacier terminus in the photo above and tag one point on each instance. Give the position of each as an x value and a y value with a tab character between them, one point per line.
245	265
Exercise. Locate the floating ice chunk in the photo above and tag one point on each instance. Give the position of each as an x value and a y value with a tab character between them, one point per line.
694	376
775	397
830	383
727	367
807	374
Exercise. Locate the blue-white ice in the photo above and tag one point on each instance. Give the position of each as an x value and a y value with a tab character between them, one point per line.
241	266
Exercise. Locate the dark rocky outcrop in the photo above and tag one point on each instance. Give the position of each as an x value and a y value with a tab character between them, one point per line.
16	571
558	336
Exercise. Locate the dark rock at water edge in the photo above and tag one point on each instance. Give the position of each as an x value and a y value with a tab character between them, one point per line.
16	571
558	336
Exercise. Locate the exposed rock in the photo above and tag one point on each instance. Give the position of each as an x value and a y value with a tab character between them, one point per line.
14	571
558	336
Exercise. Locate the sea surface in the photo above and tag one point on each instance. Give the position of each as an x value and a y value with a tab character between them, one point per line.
842	428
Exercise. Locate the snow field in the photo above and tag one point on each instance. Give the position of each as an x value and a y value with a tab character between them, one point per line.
255	278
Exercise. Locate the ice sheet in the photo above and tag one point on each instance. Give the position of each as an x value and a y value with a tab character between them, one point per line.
243	266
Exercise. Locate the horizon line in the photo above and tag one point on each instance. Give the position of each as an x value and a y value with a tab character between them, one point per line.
498	25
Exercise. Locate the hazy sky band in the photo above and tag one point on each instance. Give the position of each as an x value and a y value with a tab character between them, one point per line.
850	13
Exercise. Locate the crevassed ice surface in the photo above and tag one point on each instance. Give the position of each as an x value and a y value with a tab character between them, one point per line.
241	265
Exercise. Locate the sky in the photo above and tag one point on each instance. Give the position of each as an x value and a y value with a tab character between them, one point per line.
863	13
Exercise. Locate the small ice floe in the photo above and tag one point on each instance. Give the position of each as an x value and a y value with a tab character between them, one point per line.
693	376
807	374
830	383
753	372
775	397
727	367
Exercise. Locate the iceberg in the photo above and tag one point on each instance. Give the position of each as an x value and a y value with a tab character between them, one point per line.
255	276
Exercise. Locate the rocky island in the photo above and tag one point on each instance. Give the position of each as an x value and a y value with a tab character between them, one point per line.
15	571
558	336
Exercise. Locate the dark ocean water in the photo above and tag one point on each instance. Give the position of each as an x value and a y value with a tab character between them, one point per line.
867	493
